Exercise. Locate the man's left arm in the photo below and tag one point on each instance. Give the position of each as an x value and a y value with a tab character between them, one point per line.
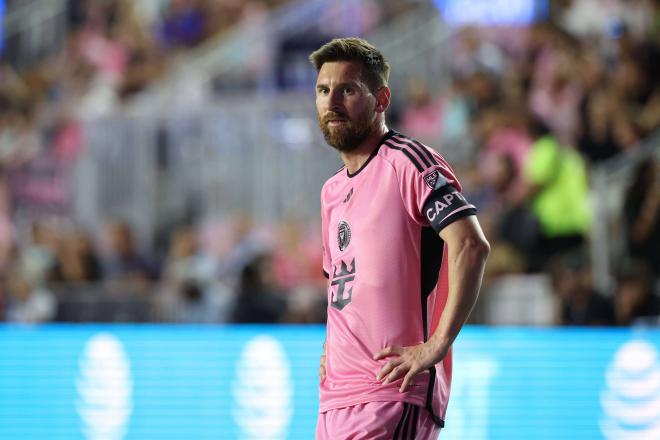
467	250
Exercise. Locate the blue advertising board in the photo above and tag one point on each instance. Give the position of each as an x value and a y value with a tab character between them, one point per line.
260	382
492	12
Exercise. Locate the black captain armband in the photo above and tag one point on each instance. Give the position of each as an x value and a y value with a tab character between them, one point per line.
446	205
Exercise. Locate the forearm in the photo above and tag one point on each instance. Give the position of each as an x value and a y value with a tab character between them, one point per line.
467	250
466	268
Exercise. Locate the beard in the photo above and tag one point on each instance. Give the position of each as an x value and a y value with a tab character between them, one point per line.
348	136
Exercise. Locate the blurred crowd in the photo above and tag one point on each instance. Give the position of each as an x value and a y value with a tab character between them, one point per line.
527	116
112	50
52	269
231	271
528	113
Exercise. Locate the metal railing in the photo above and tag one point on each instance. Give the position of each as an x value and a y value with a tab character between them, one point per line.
413	42
34	29
608	184
262	156
106	302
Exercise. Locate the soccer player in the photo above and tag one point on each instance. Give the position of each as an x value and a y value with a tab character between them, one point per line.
403	253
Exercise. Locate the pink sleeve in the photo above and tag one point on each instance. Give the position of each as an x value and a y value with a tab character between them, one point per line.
416	187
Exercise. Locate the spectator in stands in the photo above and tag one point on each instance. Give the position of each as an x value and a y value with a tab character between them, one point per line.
244	244
259	298
6	227
295	268
183	255
556	100
123	262
306	305
19	141
38	259
596	139
422	117
350	17
635	299
197	304
27	302
98	44
295	257
3	296
145	64
579	303
77	260
183	24
499	168
508	226
483	91
591	17
649	115
557	189
458	143
190	291
642	214
472	53
507	136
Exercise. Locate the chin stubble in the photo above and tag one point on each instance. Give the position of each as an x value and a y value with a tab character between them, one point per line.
346	138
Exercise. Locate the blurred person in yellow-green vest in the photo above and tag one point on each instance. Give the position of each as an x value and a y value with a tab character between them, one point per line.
557	193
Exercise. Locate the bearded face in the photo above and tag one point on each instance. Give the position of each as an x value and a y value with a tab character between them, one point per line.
345	133
345	106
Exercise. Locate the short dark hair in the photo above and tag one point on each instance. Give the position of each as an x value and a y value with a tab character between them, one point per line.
375	68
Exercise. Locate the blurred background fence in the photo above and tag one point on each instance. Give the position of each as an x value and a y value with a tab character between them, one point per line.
261	156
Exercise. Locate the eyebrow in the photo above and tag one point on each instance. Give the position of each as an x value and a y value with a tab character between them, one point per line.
342	84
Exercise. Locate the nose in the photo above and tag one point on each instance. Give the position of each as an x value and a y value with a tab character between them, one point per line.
336	101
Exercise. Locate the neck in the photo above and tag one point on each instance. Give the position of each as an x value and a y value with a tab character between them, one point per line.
354	159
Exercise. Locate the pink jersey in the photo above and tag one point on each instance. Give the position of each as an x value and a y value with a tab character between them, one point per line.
384	260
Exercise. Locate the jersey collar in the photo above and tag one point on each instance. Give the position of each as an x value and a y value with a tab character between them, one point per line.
388	135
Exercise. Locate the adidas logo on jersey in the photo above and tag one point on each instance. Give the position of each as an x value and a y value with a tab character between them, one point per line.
348	196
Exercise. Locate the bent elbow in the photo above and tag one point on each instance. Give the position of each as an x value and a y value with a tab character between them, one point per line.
485	247
478	247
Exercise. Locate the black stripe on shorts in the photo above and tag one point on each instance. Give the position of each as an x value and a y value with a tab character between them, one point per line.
402	420
415	422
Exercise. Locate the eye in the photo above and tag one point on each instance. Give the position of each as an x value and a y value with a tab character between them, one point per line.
349	90
322	90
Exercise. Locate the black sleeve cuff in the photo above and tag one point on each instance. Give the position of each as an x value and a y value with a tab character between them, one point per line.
446	205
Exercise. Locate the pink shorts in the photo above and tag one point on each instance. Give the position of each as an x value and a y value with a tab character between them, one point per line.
375	421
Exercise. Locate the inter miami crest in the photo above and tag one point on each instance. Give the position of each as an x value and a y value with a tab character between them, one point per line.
435	180
343	235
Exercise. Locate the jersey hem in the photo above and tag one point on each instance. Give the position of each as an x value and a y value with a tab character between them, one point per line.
415	400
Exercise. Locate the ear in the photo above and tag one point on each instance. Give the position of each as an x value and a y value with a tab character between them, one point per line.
382	99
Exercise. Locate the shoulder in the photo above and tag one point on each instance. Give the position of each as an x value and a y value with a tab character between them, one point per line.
333	180
408	155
